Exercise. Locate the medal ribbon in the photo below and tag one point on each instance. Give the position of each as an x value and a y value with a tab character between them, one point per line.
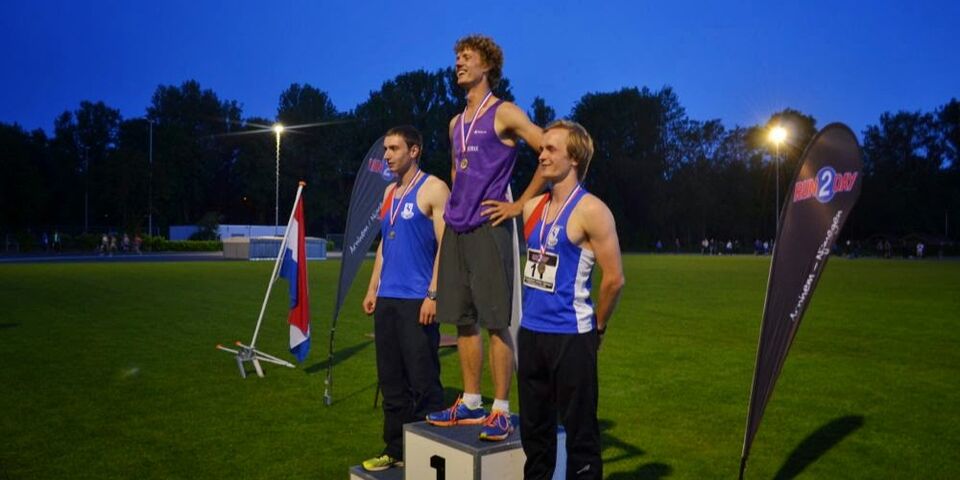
465	137
543	221
406	190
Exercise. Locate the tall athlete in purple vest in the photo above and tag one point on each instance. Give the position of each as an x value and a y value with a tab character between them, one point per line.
476	253
402	293
568	231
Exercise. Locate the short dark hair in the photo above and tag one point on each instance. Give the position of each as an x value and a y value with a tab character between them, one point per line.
410	135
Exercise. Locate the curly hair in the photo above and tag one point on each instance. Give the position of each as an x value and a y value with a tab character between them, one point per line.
490	52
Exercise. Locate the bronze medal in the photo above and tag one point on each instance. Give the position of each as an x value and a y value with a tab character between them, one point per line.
541	267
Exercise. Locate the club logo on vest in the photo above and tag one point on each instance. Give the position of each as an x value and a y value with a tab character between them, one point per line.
407	212
554	236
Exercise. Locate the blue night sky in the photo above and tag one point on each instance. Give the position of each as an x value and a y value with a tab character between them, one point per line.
737	61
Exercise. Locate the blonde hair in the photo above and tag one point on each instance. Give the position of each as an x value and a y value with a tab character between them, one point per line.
489	50
579	144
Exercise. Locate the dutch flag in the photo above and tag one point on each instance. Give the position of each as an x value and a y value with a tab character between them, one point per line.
294	269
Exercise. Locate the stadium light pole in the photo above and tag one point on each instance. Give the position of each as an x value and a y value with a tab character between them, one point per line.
277	129
150	184
777	135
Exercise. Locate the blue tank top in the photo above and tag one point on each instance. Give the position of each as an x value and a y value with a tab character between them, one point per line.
568	309
408	256
489	165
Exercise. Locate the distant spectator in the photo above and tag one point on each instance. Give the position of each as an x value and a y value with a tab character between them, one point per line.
137	241
704	245
57	247
729	247
920	248
676	244
113	244
125	245
659	246
104	244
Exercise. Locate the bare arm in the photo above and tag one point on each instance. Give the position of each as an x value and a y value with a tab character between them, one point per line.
516	123
600	230
453	154
435	194
370	299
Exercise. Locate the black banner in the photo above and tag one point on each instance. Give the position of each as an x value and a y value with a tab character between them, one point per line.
363	226
823	192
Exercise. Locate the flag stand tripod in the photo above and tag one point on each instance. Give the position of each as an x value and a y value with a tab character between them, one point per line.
249	353
254	356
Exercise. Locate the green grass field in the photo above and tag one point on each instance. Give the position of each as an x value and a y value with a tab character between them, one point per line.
110	371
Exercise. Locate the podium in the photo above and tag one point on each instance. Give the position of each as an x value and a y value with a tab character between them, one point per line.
454	453
457	453
358	473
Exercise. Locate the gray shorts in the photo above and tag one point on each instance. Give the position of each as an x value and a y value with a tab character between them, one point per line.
475	277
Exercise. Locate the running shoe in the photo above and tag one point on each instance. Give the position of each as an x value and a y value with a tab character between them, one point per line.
383	462
458	414
497	427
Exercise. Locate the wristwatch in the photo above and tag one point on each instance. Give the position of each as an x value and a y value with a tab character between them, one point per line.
432	295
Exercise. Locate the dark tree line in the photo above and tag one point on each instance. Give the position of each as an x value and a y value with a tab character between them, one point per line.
665	175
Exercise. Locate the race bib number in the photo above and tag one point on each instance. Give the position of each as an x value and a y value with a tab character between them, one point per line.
541	275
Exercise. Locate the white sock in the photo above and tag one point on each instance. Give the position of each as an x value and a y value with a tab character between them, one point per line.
502	405
472	400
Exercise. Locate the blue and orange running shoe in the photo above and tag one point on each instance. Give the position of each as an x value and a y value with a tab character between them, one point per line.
458	414
497	427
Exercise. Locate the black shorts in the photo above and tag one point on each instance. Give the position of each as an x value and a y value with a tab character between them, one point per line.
475	277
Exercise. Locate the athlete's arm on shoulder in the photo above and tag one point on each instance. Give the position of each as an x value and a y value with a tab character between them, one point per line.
516	123
529	206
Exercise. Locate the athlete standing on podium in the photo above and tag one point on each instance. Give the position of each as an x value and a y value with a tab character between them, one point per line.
402	293
568	231
476	254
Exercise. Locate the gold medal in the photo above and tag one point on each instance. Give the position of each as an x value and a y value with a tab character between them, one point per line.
392	234
463	163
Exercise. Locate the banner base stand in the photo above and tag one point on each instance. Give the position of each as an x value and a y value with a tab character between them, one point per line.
250	354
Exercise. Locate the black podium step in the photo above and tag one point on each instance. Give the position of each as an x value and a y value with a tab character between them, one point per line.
358	473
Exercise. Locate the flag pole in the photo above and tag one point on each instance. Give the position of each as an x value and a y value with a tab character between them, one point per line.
249	353
276	267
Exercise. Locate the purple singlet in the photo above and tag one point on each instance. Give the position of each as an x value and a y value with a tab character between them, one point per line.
487	174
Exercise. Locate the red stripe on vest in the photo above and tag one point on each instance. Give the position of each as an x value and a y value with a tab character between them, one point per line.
535	217
387	203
